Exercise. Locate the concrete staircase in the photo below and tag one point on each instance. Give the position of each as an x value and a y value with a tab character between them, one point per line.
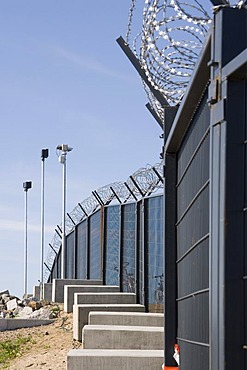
115	331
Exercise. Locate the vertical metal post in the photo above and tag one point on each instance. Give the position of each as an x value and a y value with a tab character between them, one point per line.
64	148
25	249
170	252
26	185
44	154
63	220
145	256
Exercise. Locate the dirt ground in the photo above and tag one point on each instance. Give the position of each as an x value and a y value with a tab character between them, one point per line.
48	348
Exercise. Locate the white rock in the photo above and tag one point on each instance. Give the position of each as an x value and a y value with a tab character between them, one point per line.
25	313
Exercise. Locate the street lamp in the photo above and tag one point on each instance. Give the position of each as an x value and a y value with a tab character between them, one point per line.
63	151
26	186
44	155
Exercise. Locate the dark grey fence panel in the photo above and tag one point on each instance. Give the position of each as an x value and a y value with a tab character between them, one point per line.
70	256
95	246
81	250
192	241
54	273
245	228
58	263
194	356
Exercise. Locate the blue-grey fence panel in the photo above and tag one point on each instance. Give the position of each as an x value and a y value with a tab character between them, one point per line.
128	247
140	253
112	244
154	224
95	246
81	252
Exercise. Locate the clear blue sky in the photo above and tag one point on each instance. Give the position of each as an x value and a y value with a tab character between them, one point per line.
64	80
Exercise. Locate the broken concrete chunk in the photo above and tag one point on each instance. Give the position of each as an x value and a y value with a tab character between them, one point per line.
12	304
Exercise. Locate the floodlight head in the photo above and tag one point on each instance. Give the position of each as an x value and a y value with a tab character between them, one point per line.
44	154
64	148
27	185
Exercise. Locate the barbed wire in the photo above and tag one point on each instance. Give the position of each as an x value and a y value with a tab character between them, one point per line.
169	43
131	13
144	182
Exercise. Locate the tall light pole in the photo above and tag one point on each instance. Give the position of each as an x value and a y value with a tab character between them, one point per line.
26	186
63	151
44	155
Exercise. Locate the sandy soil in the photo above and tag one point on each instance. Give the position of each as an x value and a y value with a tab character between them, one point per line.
51	345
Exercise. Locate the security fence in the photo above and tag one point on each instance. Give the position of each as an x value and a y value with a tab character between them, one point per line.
121	243
106	245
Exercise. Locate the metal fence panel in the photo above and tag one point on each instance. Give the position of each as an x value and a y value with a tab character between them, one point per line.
81	250
111	245
128	245
155	251
192	238
95	246
70	256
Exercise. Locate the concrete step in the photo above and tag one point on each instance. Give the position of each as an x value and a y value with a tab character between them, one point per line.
122	337
92	359
126	318
58	287
104	298
81	311
70	290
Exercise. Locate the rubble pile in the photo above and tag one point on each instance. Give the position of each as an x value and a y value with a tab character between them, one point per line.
25	308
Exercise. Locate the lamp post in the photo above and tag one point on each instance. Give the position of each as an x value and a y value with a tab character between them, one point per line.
63	151
44	155
26	186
